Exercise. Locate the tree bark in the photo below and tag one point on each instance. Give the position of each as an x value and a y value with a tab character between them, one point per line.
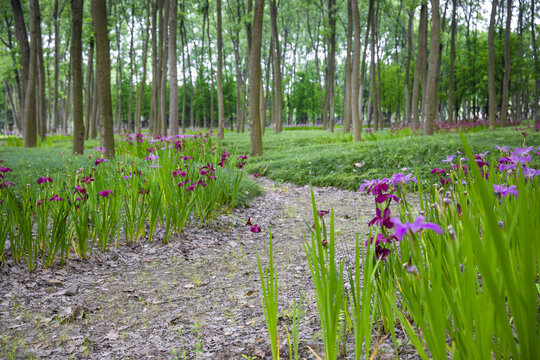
419	67
331	69
431	86
42	99
130	124
221	104
278	92
30	105
140	92
536	107
347	75
451	71
88	92
103	76
410	45
492	101
506	80
77	75
355	95
173	95
255	78
156	69
161	129
24	45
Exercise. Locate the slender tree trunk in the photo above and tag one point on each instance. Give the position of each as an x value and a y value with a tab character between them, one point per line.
363	70
30	105
103	76
355	95
118	111
420	65
278	108
67	104
410	45
94	112
451	74
492	111
156	70
212	85
183	69
347	75
42	100
162	128
13	105
372	78
221	104
255	78
77	75
140	92
130	124
330	74
88	91
536	107
431	86
506	80
24	45
173	96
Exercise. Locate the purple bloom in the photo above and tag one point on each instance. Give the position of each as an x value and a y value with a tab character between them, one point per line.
56	198
503	149
79	189
439	171
5	169
374	186
399	177
151	157
144	191
522	151
40	202
257	175
381	253
42	180
98	161
382	219
87	179
179	172
321	213
6	184
449	159
248	222
381	238
255	228
105	193
100	149
529	173
501	190
417	225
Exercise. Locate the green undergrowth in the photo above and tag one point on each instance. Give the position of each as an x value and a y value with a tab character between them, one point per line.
324	159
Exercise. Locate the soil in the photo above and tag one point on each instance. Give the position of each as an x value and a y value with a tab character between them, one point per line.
197	297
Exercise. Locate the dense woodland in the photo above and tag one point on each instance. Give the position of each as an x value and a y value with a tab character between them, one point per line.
90	68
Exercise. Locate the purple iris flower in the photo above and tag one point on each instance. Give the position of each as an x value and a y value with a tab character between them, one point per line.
502	190
503	149
439	171
5	169
400	178
381	238
417	225
6	184
255	228
56	198
105	193
381	253
522	151
321	213
382	219
42	180
449	159
374	185
529	173
98	161
100	149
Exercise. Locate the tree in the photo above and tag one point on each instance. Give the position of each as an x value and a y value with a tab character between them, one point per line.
221	107
506	80
278	92
173	94
431	86
77	75
536	71
420	65
24	45
103	76
30	105
451	72
331	69
255	78
492	111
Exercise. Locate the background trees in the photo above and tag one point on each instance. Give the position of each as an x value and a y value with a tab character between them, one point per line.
323	62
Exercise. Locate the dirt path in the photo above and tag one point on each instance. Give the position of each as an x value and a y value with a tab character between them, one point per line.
197	297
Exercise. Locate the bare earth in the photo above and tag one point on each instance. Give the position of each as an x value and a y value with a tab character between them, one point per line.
197	297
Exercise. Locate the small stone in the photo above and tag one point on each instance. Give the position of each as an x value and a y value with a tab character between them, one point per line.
72	290
55	282
50	290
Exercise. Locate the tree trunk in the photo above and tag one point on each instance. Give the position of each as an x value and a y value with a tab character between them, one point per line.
94	112
118	110
355	95
363	70
88	93
255	78
347	75
183	69
103	76
506	80
156	70
372	79
140	92
536	107
431	86
278	108
24	45
451	74
42	100
77	75
212	85
420	65
331	69
492	111
410	45
161	129
130	124
173	95
221	104
30	105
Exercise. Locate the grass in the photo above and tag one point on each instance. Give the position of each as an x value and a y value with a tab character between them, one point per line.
321	158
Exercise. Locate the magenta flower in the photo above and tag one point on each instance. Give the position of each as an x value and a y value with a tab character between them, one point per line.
257	175
6	184
183	183
98	161
105	193
192	187
382	219
255	228
40	202
87	179
374	185
381	238
381	253
501	190
414	227
144	191
100	149
321	213
224	157
56	198
529	173
439	171
5	169
248	222
503	149
42	180
524	151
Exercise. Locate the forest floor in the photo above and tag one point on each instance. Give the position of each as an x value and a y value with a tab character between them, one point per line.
197	297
